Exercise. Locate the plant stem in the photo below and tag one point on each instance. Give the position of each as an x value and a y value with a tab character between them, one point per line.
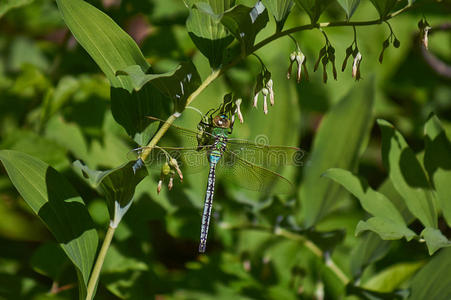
99	262
327	24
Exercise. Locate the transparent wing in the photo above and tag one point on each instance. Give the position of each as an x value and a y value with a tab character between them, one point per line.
250	176
190	160
266	156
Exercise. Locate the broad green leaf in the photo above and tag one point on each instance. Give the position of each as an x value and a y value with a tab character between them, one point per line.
245	23
118	185
437	162
345	127
407	175
7	5
392	277
130	111
113	50
314	8
385	228
177	84
349	6
204	28
56	202
383	6
433	281
280	9
373	202
370	248
110	46
434	239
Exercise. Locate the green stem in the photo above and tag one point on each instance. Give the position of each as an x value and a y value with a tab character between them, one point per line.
99	262
327	24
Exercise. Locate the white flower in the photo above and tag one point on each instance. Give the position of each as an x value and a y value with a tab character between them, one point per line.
356	66
160	185
173	162
238	111
265	93
269	86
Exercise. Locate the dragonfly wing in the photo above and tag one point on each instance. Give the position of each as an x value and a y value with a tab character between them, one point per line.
266	156
190	160
251	176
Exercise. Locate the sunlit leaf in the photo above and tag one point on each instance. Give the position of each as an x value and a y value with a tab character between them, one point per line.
392	277
314	8
56	202
385	228
346	127
376	204
110	46
280	9
245	23
434	239
437	163
209	35
434	279
407	175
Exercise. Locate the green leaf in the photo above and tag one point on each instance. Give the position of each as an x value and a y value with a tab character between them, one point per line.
7	5
110	46
434	239
383	6
349	6
365	294
407	175
245	23
370	248
118	186
204	28
375	203
280	9
434	279
345	127
385	228
130	111
392	277
55	201
437	162
314	8
177	84
113	50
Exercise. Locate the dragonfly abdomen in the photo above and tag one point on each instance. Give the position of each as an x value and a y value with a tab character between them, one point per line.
207	208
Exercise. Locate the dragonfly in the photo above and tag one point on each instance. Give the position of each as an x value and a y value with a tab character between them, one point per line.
211	146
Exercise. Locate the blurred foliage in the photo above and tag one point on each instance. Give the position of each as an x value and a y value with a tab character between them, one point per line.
55	106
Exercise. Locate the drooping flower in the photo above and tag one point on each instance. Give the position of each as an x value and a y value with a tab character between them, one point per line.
173	163
269	86
356	66
238	110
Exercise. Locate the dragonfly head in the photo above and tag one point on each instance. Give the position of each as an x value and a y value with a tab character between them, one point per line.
221	121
